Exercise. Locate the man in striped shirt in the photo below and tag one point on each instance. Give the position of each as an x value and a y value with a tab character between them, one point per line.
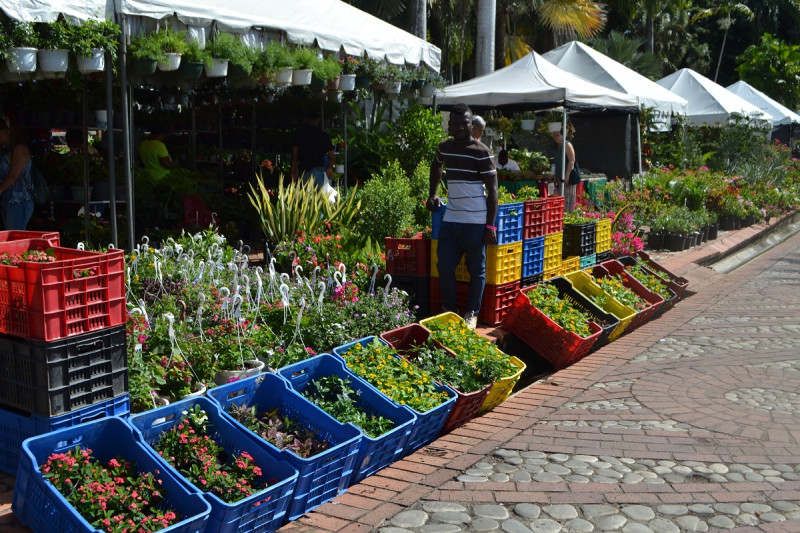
468	224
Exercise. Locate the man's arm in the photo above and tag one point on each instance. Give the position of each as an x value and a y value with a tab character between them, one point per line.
489	174
436	176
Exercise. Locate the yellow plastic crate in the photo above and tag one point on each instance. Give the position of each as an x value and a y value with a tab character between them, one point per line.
503	263
551	272
502	388
570	264
583	283
553	244
553	262
603	235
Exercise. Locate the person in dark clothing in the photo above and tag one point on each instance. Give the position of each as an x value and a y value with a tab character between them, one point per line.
312	152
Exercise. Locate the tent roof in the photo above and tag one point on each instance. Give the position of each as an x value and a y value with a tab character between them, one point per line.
780	113
332	24
709	103
598	68
534	82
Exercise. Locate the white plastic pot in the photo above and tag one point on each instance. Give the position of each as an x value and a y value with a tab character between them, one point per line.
172	63
284	76
302	76
393	87
93	63
527	124
347	82
427	90
21	59
553	126
217	69
53	60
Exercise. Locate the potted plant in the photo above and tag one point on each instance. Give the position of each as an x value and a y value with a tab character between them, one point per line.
393	79
347	80
165	47
329	70
91	40
54	43
20	46
304	62
433	81
193	61
273	64
527	120
225	48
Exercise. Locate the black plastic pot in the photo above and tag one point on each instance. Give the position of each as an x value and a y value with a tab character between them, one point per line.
655	240
674	242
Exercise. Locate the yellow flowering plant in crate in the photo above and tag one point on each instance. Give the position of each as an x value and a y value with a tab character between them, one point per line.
545	298
398	379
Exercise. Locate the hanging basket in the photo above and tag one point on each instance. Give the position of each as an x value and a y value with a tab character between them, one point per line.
527	124
172	63
302	76
362	82
217	69
427	90
284	76
553	126
252	367
53	60
347	82
317	84
190	70
143	66
393	86
93	63
21	59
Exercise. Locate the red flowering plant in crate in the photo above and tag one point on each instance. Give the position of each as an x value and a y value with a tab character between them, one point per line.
28	256
112	497
188	447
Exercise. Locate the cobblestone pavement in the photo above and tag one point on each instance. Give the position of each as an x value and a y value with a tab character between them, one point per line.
689	423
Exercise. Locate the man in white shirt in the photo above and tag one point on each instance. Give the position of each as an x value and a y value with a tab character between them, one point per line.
504	163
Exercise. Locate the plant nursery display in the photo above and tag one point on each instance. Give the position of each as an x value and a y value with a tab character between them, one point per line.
614	287
545	298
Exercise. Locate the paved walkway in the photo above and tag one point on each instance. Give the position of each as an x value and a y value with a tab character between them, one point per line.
689	423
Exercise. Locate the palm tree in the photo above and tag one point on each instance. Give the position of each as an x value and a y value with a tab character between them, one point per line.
568	19
484	63
725	10
625	50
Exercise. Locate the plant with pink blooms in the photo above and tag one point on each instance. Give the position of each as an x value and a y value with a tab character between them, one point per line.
114	496
625	238
204	462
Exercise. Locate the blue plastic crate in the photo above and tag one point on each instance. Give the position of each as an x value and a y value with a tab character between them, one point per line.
41	507
509	222
532	256
376	453
429	424
436	220
321	477
16	427
587	260
263	511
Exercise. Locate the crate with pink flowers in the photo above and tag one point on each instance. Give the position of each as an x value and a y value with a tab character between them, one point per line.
48	293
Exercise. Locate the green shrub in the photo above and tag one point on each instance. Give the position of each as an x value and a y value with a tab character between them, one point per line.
415	136
387	205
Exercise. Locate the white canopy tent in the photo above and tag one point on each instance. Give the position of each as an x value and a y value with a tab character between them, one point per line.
780	114
49	10
709	103
584	61
534	83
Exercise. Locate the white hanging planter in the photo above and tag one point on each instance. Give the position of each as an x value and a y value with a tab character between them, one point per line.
217	69
284	76
527	124
393	86
339	169
53	60
252	367
347	82
93	63
302	76
198	389
21	59
172	63
427	90
553	126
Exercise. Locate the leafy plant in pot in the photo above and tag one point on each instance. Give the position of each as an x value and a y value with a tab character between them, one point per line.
21	42
305	61
272	63
164	46
226	48
328	71
54	44
193	61
91	40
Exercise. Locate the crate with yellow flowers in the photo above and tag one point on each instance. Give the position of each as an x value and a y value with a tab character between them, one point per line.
381	366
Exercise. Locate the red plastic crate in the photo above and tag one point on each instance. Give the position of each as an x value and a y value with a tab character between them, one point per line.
677	283
612	267
405	340
15	235
555	214
46	301
535	218
560	347
496	301
408	257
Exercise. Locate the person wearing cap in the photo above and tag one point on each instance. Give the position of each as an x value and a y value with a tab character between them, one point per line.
16	201
478	127
154	155
468	224
312	152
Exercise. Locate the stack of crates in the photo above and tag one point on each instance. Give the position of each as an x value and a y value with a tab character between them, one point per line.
63	349
603	240
553	237
408	261
503	267
580	243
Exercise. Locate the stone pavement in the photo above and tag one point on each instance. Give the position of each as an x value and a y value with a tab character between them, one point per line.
689	423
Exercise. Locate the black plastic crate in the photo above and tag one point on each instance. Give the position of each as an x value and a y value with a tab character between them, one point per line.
530	281
49	378
606	321
579	239
603	256
418	289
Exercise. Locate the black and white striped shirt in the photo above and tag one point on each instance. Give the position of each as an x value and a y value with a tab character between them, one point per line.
467	167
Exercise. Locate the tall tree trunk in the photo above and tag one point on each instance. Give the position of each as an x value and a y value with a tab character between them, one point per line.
722	48
650	35
484	57
416	18
500	38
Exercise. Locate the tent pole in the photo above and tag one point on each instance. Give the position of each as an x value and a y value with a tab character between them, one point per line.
126	133
112	181
85	134
563	149
344	137
639	142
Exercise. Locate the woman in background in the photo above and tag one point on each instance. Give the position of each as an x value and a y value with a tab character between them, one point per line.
16	201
